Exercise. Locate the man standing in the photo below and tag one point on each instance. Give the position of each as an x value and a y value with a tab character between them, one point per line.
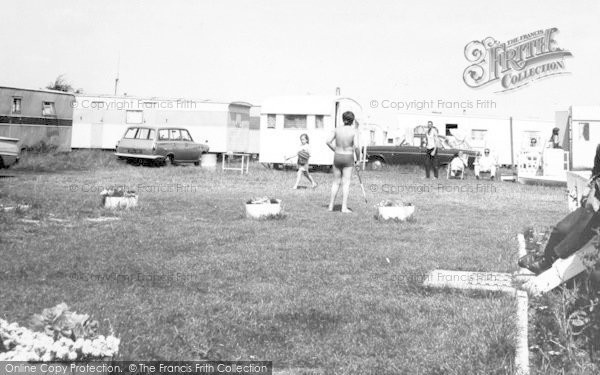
431	143
344	142
485	163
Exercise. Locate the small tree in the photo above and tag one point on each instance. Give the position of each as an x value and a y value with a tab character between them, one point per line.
60	84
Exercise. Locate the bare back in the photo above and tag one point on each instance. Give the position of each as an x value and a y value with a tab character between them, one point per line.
345	140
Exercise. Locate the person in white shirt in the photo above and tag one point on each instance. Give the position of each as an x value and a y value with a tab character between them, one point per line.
431	143
485	163
457	165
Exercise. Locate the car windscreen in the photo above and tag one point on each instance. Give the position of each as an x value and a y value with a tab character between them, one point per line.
185	136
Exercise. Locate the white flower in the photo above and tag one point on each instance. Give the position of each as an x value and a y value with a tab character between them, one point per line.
47	357
72	356
78	344
113	343
86	348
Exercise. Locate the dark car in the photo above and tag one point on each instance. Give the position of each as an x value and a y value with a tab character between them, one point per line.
159	145
377	156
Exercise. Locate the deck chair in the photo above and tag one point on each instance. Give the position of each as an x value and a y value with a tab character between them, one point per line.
458	174
488	174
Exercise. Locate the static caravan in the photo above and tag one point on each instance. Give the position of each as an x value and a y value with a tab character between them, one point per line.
284	119
254	142
477	133
100	121
372	134
583	124
37	117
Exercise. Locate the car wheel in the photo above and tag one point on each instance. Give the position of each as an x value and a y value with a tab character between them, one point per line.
2	166
168	161
196	163
376	164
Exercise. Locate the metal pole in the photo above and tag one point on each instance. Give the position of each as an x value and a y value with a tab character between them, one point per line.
512	153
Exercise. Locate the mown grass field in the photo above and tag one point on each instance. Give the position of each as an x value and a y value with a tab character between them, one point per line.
186	276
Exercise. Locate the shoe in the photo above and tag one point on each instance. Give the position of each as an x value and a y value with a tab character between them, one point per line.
492	178
534	263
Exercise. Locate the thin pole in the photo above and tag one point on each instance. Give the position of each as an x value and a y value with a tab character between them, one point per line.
512	153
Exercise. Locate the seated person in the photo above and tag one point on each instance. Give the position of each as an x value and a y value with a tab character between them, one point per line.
574	230
457	165
554	141
485	163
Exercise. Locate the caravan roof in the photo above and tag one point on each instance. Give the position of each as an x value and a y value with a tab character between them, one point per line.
585	113
299	105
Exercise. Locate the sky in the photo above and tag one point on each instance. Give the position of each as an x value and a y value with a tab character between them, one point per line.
374	51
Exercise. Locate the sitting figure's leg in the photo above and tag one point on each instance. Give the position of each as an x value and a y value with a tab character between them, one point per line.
477	170
492	172
569	234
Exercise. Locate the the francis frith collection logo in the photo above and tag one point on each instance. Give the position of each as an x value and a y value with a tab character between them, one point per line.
514	63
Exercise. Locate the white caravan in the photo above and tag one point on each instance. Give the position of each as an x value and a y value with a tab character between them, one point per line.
284	119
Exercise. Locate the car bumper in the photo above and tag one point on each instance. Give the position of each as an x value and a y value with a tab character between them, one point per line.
138	156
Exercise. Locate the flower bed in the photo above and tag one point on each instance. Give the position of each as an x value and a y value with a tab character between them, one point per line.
396	210
119	198
263	207
56	334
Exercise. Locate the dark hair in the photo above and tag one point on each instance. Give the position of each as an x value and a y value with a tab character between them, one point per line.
348	118
596	169
304	135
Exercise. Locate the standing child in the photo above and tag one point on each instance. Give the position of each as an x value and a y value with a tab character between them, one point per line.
303	166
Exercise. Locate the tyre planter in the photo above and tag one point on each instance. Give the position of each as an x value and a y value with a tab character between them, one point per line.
263	209
395	211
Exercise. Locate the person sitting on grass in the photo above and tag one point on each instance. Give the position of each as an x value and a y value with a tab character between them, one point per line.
574	230
303	166
344	142
485	163
457	165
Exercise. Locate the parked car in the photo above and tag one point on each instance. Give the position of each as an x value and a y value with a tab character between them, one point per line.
377	156
159	146
9	151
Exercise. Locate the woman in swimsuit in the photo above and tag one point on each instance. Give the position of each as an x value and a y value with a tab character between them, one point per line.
344	143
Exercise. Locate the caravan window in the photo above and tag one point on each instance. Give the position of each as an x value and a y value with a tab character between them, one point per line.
584	131
294	122
478	134
48	109
134	117
319	123
16	106
271	121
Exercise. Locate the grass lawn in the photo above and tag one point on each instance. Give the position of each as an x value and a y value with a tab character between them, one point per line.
186	276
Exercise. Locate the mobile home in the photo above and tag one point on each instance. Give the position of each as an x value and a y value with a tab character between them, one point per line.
506	137
582	135
284	119
100	121
37	117
254	141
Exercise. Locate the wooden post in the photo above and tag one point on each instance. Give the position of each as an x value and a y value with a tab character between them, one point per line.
512	152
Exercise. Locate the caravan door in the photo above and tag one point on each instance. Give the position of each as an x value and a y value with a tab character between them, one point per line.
585	137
